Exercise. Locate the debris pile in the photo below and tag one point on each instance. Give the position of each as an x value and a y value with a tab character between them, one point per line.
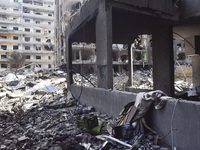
143	79
38	113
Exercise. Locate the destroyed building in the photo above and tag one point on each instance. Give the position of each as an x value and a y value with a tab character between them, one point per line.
27	27
120	22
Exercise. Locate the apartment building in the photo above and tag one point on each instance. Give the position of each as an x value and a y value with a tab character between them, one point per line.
27	27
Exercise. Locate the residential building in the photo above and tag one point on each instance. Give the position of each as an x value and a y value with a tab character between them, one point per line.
27	27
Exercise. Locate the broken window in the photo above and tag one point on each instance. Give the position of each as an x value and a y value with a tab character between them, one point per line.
38	57
15	47
3	17
3	27
3	37
15	37
49	31
27	20
27	47
15	9
49	65
4	47
38	31
28	57
48	41
50	15
4	66
38	39
49	23
27	39
49	57
26	10
37	22
38	48
15	28
3	56
27	29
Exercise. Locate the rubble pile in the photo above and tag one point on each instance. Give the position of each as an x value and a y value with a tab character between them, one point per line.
36	112
119	80
143	79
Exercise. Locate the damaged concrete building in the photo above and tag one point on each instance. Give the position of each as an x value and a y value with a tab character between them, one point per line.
27	27
108	22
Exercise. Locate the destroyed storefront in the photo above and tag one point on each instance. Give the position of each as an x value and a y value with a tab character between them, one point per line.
121	22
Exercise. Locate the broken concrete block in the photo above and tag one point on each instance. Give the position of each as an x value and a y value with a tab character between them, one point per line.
2	94
11	80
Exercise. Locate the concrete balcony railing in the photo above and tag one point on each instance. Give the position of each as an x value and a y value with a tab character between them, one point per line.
32	15
31	6
27	51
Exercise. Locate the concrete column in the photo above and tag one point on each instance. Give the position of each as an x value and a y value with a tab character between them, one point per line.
130	64
163	60
69	61
196	70
80	55
104	46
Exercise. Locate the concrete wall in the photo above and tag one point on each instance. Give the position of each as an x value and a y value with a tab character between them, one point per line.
186	118
106	101
186	121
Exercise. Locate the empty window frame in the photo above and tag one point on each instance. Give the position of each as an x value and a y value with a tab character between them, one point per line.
27	39
3	37
38	39
4	47
37	22
3	27
15	47
49	57
49	65
38	48
27	29
15	28
50	15
49	23
3	56
27	47
27	20
38	31
4	66
28	57
38	57
15	38
15	9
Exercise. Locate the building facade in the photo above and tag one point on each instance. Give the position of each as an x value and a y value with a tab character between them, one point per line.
27	27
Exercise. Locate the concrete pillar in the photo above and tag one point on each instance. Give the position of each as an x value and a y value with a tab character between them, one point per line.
163	60
80	55
130	64
196	70
69	61
104	46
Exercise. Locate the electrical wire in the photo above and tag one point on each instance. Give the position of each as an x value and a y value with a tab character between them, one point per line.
185	40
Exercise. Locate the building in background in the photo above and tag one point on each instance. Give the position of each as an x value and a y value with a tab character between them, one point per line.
27	27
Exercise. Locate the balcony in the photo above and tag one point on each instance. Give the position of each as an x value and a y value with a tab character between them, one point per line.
31	6
37	16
